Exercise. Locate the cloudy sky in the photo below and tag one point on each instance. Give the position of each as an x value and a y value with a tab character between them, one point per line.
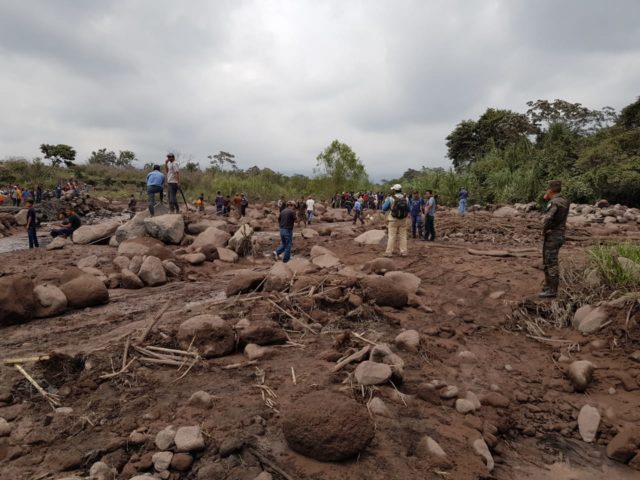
274	82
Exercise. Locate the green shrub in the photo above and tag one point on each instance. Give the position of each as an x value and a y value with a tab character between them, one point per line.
603	257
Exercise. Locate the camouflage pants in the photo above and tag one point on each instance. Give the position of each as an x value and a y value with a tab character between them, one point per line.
550	250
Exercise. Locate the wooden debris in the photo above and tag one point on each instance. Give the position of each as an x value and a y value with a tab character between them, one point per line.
490	253
359	355
231	366
157	318
52	399
296	320
13	361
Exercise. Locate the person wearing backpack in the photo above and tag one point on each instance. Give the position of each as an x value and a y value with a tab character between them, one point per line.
430	207
397	207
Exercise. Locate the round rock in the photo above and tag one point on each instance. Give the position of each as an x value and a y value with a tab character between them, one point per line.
327	427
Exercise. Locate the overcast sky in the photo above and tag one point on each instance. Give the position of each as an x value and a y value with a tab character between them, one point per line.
274	82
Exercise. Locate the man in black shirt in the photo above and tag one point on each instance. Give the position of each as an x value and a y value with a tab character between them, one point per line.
31	225
286	219
70	225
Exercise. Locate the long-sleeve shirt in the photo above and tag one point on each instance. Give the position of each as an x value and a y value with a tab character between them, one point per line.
287	218
155	178
557	213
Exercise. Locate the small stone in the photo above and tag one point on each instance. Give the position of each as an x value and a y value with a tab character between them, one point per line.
429	393
473	398
5	428
497	295
201	399
230	445
588	423
378	407
195	258
137	438
102	471
165	438
256	352
464	406
430	450
189	439
181	462
508	368
481	448
408	340
635	356
162	461
448	392
64	410
372	373
264	476
580	374
495	399
612	391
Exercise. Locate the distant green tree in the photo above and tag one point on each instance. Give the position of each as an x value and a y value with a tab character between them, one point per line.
103	157
58	154
126	158
580	119
630	116
341	166
221	158
192	167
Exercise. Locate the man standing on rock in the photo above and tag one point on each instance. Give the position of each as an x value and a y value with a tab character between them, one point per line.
155	184
554	227
397	207
286	219
173	180
430	216
310	206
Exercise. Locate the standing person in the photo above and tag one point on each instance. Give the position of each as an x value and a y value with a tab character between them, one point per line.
31	225
173	181
310	206
462	201
286	219
58	191
302	212
18	196
416	207
14	196
430	207
236	202
554	227
200	203
69	225
348	204
155	184
38	194
398	209
226	206
282	203
131	206
244	203
357	208
219	203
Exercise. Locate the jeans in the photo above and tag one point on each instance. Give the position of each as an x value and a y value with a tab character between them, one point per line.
286	241
416	225
62	232
33	237
430	228
151	197
309	216
358	216
173	198
462	206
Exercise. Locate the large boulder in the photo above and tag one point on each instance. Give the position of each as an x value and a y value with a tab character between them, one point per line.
265	332
309	233
213	337
505	212
134	228
241	240
85	290
87	234
317	250
152	272
50	301
244	281
21	217
629	267
328	427
166	228
380	266
226	255
200	226
144	246
278	278
211	236
130	280
405	280
384	291
326	261
59	243
300	265
17	301
372	237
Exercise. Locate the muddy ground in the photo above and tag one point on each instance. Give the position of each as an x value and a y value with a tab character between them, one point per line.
536	436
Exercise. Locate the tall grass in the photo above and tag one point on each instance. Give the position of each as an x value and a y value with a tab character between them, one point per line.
604	259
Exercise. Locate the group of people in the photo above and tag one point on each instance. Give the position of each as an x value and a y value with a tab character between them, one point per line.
156	180
19	196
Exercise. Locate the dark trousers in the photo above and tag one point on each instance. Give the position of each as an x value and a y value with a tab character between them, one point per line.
151	197
33	237
550	253
286	242
416	225
173	198
358	216
62	232
243	210
429	228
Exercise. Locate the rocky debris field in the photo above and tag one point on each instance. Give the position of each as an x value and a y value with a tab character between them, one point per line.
181	350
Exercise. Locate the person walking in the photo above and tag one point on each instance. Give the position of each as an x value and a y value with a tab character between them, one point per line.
219	203
416	207
173	181
302	212
553	227
31	225
398	209
430	207
462	201
155	184
286	220
310	207
357	209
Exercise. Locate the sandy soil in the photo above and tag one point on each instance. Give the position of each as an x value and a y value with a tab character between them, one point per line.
536	436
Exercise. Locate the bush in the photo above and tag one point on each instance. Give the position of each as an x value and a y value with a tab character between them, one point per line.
603	258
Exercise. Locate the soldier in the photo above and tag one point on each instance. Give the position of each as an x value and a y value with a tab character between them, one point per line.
553	229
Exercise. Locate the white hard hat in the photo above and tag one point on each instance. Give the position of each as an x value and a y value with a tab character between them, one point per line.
397	187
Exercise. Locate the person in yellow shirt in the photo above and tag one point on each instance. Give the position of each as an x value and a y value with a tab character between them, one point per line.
200	203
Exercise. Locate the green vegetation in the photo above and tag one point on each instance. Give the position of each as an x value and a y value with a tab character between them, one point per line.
505	156
604	259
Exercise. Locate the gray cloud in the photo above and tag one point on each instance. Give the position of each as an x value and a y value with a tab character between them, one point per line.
275	82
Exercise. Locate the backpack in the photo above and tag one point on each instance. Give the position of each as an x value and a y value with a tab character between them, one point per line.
400	208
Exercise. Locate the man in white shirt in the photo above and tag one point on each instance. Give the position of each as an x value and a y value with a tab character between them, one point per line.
310	203
173	181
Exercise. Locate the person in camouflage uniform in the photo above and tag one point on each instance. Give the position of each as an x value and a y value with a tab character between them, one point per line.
554	227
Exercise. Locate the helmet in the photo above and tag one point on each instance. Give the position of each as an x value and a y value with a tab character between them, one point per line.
397	187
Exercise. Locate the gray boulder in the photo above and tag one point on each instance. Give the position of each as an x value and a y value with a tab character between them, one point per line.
213	337
87	234
152	272
166	228
49	301
85	290
17	302
211	236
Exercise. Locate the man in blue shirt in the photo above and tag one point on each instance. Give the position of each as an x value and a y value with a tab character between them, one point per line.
416	205
155	184
357	207
462	201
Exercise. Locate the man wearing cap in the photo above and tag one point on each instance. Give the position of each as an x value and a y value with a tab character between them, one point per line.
286	219
554	227
173	180
397	208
